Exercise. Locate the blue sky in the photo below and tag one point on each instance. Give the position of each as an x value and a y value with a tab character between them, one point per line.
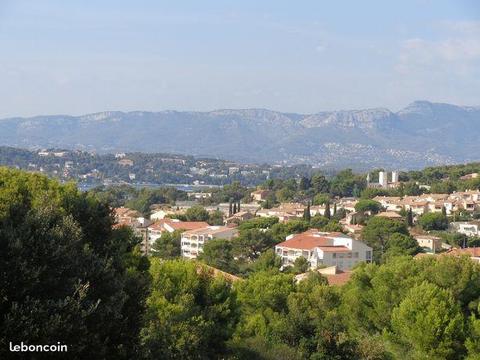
76	57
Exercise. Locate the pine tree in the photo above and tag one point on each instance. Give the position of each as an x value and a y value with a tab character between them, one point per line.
334	209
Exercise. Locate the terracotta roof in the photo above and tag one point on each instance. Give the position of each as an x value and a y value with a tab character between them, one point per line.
339	279
124	211
178	225
390	215
309	240
472	252
208	230
156	226
303	241
239	215
216	272
387	198
415	203
188	225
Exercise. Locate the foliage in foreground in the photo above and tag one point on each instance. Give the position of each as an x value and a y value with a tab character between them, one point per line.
65	275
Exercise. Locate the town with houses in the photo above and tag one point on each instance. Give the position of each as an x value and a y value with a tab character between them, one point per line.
90	169
331	253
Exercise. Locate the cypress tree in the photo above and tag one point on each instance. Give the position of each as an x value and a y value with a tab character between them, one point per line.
327	210
230	209
235	208
356	191
334	209
238	206
410	217
306	213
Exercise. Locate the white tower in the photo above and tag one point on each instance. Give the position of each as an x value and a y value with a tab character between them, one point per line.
382	179
394	176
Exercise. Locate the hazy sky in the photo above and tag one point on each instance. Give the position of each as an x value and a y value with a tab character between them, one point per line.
79	57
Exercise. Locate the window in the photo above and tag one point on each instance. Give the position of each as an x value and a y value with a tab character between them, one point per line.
355	255
368	255
334	255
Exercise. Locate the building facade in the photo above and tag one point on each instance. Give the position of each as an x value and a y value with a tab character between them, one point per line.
192	241
324	249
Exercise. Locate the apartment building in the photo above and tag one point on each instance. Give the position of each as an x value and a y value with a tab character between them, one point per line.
170	225
192	241
322	248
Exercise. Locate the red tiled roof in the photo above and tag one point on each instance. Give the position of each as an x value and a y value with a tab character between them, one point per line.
123	212
156	225
472	252
339	279
178	225
308	240
305	241
390	215
188	225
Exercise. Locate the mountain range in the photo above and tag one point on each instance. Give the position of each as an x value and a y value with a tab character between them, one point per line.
421	134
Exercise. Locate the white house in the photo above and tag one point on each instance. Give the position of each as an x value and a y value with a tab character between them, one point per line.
433	243
170	225
471	228
260	195
390	203
192	241
321	248
284	212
